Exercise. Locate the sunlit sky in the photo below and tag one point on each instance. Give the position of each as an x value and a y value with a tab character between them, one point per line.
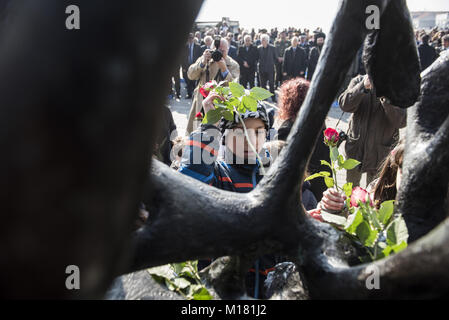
284	13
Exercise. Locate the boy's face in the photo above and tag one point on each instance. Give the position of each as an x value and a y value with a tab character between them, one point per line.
237	143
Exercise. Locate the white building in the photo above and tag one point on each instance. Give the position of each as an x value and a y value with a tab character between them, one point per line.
430	19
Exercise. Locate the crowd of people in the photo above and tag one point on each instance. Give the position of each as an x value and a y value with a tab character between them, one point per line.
285	61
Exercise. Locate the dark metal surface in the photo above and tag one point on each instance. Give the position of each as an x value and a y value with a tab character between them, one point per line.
77	117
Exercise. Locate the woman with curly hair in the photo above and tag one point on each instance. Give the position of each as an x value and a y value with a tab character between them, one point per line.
291	97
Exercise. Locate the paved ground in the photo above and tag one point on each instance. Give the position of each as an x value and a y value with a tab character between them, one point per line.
180	110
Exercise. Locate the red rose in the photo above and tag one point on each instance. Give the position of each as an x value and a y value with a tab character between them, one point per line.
209	86
358	194
199	115
203	92
331	137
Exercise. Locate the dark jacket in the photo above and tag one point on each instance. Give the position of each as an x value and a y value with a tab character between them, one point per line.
427	55
281	46
312	62
232	52
295	62
373	127
250	56
267	58
196	53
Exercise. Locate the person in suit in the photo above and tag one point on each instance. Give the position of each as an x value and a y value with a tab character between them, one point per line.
314	54
281	45
303	43
232	48
295	61
192	53
427	54
247	58
267	61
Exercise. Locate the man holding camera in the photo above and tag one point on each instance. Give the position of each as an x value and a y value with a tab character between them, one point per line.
212	65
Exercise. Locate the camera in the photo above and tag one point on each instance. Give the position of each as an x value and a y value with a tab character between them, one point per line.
343	137
217	55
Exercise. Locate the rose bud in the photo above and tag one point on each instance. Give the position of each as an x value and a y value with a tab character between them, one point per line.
331	137
199	115
359	194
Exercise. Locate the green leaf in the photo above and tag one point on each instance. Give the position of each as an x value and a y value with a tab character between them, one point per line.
234	102
353	222
317	175
181	283
341	161
372	214
386	211
333	218
260	93
228	115
225	91
325	163
397	232
237	90
249	103
329	182
366	235
241	108
212	116
334	154
347	189
169	285
165	271
177	267
202	295
399	247
350	164
387	250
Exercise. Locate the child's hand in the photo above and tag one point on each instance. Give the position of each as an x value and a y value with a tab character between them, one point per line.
333	200
208	102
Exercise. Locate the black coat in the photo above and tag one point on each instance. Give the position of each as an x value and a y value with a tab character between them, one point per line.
232	52
294	62
251	56
197	52
314	55
427	55
267	58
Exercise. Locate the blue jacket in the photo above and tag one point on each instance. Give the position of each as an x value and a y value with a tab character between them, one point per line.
199	161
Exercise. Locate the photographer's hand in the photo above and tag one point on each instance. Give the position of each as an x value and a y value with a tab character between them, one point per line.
206	56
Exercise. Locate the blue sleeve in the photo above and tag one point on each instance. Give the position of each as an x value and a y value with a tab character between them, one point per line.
200	154
225	74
